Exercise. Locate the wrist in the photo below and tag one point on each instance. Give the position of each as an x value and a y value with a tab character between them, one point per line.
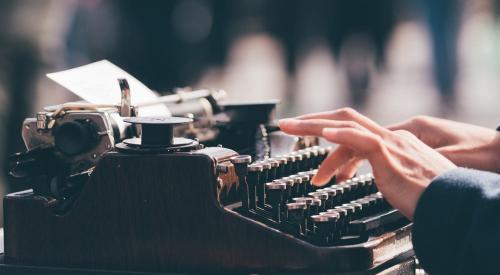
494	152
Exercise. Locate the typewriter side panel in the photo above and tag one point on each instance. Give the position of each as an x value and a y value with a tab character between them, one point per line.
157	213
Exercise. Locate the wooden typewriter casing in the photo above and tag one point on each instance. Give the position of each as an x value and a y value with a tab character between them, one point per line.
161	213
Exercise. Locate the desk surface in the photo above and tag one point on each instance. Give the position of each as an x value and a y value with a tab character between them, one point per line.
405	263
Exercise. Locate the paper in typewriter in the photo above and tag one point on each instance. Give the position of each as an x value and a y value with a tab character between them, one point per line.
97	83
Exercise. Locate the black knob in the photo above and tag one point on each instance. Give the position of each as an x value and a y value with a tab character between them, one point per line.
75	137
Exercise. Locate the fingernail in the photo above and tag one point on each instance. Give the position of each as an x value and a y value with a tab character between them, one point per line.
316	182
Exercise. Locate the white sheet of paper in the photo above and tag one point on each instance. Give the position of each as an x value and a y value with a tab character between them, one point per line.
98	83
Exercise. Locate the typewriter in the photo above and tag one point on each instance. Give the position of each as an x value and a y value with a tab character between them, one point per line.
155	202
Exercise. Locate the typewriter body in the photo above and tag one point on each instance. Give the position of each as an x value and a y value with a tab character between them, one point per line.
156	203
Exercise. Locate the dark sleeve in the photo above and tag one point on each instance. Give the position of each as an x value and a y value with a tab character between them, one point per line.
457	223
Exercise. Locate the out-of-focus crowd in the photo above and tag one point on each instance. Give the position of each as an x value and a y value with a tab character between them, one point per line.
388	58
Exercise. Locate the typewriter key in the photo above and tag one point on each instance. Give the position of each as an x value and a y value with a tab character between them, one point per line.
298	162
289	187
349	215
281	171
366	211
296	215
240	164
333	230
290	165
314	160
358	207
332	194
254	171
297	185
323	196
264	176
324	225
275	191
306	160
315	206
342	224
305	183
355	190
347	188
308	201
273	172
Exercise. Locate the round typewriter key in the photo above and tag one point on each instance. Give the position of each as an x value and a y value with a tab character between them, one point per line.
322	196
310	186
263	178
273	172
347	195
281	167
297	185
297	165
254	171
339	196
255	167
357	209
290	167
306	157
332	196
342	220
373	188
281	159
315	161
373	204
354	188
266	166
296	205
362	186
275	196
273	162
367	206
307	201
349	216
298	156
383	202
315	206
241	159
324	227
296	215
305	183
290	182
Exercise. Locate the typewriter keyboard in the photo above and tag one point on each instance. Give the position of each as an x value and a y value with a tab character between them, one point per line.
278	192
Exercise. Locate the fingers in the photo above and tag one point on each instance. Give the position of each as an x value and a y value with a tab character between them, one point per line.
347	114
422	127
363	142
348	170
405	126
313	127
354	143
330	165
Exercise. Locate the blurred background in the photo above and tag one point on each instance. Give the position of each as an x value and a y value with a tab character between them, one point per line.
390	59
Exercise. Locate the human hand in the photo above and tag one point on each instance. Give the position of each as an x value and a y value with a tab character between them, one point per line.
403	166
464	144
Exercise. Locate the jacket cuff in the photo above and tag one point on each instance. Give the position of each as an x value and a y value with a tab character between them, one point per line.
441	216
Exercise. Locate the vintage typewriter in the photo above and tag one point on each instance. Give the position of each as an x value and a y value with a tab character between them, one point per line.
149	201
